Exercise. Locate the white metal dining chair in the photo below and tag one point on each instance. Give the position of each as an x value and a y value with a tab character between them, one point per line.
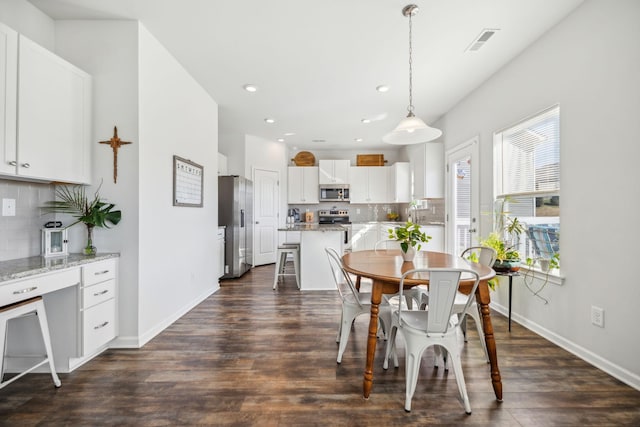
354	303
413	295
486	256
433	326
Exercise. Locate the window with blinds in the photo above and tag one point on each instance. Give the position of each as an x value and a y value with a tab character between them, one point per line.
527	179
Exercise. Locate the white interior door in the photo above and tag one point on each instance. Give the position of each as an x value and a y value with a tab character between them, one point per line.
265	240
462	207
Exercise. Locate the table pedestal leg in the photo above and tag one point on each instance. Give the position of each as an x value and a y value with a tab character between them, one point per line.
483	299
510	286
372	340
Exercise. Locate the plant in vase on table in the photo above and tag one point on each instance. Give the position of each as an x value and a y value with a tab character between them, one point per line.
93	212
410	237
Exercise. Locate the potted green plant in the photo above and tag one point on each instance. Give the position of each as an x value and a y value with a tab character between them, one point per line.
410	237
92	212
507	231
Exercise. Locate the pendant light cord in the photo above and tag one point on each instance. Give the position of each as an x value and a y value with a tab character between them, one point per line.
410	107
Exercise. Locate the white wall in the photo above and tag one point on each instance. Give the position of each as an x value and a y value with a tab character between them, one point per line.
25	18
270	155
166	251
589	64
108	50
177	244
233	146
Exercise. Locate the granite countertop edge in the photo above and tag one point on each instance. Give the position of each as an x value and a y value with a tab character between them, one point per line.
313	227
26	267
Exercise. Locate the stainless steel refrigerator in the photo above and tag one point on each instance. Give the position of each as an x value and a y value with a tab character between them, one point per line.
235	211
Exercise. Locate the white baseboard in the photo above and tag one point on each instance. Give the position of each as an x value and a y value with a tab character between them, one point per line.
140	341
624	375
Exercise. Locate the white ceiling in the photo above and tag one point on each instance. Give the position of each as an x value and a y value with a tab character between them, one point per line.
317	63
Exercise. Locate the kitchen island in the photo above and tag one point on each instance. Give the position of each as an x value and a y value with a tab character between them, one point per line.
315	274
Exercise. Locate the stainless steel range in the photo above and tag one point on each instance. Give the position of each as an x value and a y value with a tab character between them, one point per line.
337	216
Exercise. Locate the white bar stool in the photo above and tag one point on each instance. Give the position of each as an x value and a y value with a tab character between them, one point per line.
33	306
281	262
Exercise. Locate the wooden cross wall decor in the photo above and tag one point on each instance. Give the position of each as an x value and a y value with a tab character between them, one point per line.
115	143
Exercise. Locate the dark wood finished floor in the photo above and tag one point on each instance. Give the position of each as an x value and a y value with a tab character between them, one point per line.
249	355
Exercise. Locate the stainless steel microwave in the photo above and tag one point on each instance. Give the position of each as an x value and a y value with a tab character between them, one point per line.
334	193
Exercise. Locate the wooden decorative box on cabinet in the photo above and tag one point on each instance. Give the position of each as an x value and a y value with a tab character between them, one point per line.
98	292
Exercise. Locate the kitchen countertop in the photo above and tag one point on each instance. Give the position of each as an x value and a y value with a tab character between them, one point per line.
25	267
313	227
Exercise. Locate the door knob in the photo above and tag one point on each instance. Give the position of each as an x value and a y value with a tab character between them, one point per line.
257	222
472	230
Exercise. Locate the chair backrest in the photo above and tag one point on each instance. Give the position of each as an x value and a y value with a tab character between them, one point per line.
341	276
386	244
485	255
443	286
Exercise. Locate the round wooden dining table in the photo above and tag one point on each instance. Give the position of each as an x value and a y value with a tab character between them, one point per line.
386	267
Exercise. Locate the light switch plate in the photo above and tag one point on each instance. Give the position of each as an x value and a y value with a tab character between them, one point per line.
8	207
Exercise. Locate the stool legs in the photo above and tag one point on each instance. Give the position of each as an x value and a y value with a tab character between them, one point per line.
34	306
281	261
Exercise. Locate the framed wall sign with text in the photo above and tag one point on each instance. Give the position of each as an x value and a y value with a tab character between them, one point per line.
187	183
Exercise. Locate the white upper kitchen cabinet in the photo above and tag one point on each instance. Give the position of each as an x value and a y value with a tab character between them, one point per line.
302	186
427	167
399	183
369	184
54	117
334	171
8	99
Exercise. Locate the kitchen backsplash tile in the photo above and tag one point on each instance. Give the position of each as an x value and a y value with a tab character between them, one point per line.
20	234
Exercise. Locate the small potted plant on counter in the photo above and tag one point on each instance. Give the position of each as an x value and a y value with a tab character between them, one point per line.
92	212
410	237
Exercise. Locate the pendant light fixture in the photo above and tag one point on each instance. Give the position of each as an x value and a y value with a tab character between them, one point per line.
411	130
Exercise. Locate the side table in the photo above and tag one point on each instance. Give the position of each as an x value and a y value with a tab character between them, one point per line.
509	274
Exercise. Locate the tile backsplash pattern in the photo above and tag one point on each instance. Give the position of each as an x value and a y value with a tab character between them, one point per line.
20	235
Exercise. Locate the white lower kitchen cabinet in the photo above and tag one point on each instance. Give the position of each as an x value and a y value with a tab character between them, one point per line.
436	244
99	315
364	236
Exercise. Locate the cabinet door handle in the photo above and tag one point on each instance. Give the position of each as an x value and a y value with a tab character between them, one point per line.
100	326
25	290
13	163
101	293
26	165
98	273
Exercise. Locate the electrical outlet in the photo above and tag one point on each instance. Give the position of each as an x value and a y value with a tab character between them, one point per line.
358	211
597	316
8	207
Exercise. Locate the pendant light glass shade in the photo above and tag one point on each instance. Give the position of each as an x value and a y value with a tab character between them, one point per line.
411	130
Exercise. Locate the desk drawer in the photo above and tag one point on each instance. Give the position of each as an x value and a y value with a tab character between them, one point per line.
99	326
98	272
19	290
94	295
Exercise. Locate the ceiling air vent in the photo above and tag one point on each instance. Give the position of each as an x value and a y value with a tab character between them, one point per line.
479	41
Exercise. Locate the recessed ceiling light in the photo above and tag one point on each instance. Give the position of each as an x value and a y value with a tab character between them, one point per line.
289	134
358	139
365	121
250	88
318	140
382	88
280	139
269	120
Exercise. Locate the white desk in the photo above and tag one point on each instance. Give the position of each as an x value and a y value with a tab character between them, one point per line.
80	296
